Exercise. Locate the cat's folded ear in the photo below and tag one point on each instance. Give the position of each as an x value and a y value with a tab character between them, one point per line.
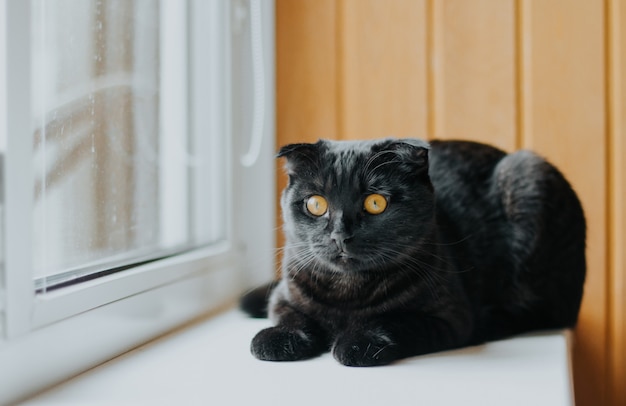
411	151
299	155
416	153
295	150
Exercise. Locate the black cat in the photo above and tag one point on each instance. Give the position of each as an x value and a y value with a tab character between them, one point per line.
396	248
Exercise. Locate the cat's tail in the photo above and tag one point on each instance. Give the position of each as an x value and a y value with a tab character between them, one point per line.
255	301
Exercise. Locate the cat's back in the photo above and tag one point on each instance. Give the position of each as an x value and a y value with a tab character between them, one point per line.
475	181
464	158
463	174
516	230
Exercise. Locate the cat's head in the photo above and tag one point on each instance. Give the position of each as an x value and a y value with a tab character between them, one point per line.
356	205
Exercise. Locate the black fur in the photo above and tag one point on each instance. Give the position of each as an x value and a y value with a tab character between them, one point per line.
475	245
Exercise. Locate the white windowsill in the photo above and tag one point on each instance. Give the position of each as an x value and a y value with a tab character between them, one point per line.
210	363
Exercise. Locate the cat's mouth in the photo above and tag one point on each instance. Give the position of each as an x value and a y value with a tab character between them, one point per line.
345	261
341	260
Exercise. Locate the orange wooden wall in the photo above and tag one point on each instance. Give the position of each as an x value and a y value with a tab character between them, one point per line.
546	75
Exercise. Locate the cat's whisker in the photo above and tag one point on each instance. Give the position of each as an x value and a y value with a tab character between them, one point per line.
418	249
301	262
424	275
373	158
369	175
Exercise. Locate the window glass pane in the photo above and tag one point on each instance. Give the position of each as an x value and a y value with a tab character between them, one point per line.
113	168
3	143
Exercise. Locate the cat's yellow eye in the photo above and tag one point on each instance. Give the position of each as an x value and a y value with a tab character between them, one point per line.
375	204
316	205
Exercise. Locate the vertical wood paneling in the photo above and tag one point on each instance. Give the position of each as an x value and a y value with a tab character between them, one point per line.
617	178
563	95
383	68
306	72
474	71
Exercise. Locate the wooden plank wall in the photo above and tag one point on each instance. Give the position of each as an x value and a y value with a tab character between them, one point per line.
616	89
473	71
546	75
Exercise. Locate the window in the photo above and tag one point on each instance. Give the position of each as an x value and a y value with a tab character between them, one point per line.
135	137
115	164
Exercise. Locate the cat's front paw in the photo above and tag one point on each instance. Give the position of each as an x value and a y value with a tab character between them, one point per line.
283	344
365	349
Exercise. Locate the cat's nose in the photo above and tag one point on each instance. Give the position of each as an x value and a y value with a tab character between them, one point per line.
341	240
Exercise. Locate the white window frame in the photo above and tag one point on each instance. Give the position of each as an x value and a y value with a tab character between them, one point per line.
46	338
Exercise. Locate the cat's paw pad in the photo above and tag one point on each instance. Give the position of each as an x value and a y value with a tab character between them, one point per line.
370	348
281	344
